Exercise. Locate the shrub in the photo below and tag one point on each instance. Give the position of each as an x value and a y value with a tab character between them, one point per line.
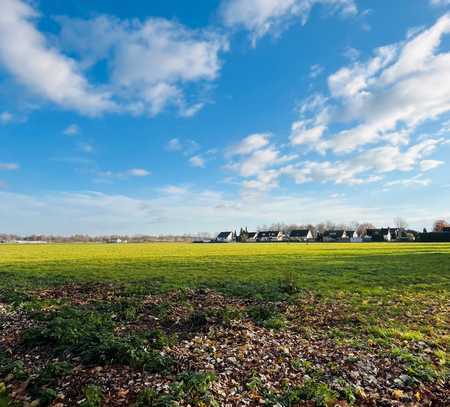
151	398
8	366
159	340
54	371
267	316
91	336
311	390
194	388
93	397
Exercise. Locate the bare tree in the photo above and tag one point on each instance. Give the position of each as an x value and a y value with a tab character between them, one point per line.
362	228
439	225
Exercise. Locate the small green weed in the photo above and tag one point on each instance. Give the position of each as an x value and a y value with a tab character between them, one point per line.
93	397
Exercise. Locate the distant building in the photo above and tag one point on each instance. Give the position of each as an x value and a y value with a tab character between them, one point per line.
354	236
301	235
251	236
225	237
381	235
446	229
334	235
269	236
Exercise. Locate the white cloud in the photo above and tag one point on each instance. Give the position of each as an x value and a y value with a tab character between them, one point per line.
385	98
401	87
150	61
174	190
258	162
427	165
122	175
138	172
44	70
315	71
192	211
6	117
197	161
249	144
416	181
301	134
71	130
351	53
9	166
261	17
365	167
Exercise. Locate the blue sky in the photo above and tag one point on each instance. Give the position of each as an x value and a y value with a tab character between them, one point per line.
158	117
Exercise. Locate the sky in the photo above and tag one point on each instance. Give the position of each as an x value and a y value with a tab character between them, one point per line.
159	117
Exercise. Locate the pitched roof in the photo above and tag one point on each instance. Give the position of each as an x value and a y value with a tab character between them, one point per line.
268	233
382	231
251	235
334	233
223	235
299	233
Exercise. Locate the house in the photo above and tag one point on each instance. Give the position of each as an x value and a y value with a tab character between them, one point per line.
117	241
225	237
300	235
381	235
350	234
407	235
269	236
334	235
251	236
353	236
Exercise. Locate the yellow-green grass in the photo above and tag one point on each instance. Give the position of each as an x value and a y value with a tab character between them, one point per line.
321	267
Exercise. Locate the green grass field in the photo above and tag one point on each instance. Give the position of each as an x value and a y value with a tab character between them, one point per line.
320	267
361	323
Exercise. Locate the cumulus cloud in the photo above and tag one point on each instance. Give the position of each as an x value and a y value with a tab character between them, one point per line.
258	161
249	144
385	98
150	63
261	17
302	134
44	70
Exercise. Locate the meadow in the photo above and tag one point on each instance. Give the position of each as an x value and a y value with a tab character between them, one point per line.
224	324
